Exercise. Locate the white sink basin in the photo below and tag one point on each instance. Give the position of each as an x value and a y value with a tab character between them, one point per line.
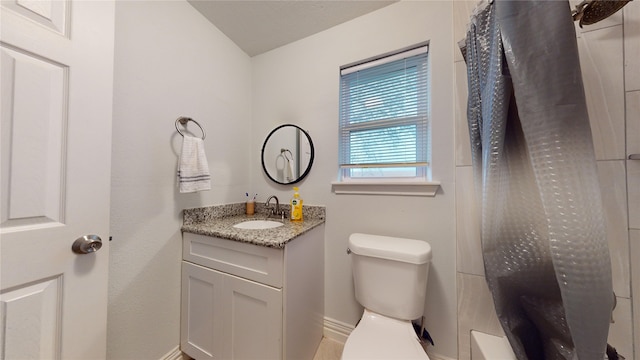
258	224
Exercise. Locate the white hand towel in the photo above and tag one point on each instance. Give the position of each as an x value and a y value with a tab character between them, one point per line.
193	169
289	169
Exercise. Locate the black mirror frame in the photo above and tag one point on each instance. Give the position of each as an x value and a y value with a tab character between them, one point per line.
306	171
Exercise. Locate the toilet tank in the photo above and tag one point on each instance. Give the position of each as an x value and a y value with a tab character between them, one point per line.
390	274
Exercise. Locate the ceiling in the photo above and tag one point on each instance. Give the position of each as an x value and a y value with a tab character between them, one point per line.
259	26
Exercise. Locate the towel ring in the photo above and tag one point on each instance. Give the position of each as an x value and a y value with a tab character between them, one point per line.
285	151
183	121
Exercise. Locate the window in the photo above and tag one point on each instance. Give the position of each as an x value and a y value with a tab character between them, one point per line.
384	108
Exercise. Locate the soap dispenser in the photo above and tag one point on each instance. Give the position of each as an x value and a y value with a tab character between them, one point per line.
296	206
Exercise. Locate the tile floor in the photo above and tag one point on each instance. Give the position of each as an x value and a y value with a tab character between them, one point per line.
329	350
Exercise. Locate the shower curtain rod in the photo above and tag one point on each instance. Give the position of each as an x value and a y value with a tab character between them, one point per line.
588	12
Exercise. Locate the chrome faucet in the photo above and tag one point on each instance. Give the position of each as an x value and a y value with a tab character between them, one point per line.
276	209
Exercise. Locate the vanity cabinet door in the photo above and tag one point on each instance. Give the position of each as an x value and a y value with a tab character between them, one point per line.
254	319
202	334
228	317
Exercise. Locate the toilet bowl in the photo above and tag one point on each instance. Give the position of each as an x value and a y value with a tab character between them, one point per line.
390	279
382	337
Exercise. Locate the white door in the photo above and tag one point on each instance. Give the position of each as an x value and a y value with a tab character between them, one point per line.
56	98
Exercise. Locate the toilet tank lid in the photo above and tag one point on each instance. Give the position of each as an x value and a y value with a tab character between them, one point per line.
392	248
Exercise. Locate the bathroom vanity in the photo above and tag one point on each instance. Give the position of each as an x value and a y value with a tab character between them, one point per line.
251	294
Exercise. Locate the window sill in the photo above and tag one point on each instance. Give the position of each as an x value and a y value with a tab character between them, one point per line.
423	188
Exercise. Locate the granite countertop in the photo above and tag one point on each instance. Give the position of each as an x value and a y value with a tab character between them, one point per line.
218	221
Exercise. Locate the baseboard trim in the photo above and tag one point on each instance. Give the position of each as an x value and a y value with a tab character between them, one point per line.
336	330
175	354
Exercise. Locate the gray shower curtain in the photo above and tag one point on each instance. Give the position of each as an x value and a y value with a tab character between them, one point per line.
545	253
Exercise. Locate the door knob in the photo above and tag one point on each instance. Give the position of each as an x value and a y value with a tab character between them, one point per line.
87	244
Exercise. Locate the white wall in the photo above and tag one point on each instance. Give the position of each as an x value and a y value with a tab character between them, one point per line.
298	83
169	62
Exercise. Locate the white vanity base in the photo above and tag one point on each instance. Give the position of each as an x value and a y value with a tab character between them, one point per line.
242	300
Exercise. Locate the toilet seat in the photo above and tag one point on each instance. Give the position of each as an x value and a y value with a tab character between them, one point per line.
380	337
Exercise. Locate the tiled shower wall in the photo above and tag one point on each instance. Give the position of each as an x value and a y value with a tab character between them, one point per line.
610	62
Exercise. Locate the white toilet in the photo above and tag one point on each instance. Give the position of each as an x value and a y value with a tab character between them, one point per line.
390	278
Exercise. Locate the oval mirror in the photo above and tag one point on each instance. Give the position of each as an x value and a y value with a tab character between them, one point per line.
287	154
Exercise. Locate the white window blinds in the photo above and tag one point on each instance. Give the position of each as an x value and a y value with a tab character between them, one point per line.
384	116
